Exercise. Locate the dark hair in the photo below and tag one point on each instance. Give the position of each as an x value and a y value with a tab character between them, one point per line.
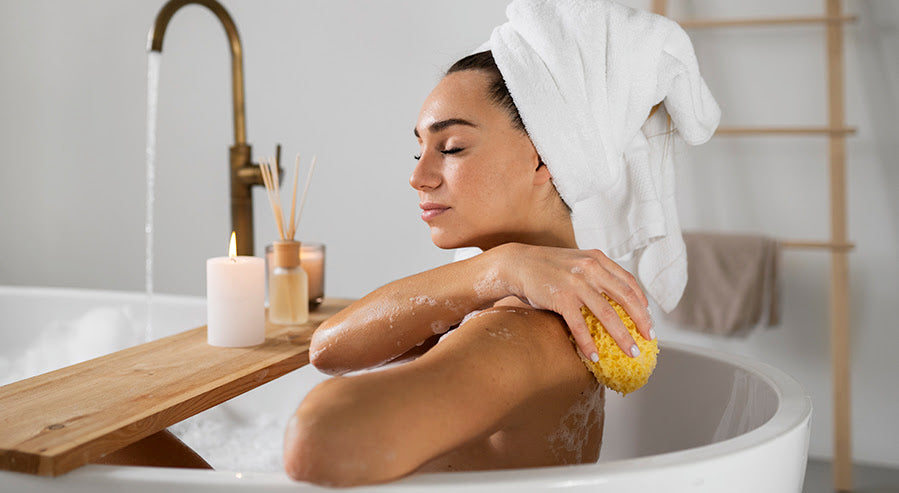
498	92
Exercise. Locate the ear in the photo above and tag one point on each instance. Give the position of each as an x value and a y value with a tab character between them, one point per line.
541	174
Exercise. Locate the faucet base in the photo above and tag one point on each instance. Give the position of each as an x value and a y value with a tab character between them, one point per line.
242	196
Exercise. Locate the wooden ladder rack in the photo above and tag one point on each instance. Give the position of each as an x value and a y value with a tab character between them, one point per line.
836	132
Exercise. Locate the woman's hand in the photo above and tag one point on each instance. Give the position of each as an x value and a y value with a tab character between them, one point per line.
564	279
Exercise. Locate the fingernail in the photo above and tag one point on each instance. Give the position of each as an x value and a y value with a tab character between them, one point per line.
635	351
652	334
594	357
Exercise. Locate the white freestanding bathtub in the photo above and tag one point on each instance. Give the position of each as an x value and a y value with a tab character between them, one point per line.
706	422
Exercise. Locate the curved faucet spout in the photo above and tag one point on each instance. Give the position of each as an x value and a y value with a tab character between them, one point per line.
244	174
154	43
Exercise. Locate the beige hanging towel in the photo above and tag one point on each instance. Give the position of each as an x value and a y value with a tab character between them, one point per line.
732	284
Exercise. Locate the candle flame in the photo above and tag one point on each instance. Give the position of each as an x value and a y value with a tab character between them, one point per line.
232	249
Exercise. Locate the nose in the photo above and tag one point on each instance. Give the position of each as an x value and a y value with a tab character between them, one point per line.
426	175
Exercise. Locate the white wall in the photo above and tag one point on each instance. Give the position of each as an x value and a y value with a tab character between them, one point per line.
344	80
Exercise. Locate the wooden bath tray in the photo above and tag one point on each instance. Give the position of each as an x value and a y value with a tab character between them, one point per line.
56	422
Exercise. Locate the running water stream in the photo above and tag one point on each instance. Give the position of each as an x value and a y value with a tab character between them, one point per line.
153	61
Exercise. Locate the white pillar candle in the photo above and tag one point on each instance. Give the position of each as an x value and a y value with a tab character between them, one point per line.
235	300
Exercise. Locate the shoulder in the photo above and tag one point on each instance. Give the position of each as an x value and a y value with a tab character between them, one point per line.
530	347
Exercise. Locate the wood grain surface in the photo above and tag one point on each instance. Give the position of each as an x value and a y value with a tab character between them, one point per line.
53	423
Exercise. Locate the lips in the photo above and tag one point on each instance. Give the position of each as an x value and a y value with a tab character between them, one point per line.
430	210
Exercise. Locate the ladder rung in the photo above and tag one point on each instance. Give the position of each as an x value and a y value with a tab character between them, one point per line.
784	130
830	245
773	21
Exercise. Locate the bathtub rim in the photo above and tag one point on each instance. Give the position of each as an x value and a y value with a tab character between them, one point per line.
105	294
793	411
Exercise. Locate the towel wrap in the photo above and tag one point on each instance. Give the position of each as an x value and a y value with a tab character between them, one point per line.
585	75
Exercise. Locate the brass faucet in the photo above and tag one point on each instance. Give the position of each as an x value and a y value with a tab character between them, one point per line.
244	174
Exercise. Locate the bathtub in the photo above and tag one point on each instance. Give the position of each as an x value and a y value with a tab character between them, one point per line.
706	422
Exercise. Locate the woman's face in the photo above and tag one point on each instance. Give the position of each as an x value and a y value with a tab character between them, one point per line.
477	176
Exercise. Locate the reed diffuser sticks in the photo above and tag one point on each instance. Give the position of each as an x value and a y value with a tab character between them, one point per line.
271	179
288	282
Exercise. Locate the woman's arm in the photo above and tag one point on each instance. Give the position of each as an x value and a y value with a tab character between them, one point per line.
389	321
396	317
383	425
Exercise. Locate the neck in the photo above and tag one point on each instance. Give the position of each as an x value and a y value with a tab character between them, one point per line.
557	233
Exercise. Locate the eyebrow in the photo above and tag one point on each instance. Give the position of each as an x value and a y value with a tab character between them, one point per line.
444	124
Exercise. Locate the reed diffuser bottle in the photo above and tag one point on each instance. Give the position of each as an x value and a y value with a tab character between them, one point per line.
288	286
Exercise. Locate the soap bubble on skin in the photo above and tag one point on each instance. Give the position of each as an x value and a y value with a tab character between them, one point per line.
423	300
449	305
439	326
313	353
325	338
484	285
573	432
470	316
577	270
534	304
465	319
491	283
502	333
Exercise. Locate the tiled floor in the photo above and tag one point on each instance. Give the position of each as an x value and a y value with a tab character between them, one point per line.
865	479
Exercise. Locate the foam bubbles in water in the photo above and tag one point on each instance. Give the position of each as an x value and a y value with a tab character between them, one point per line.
233	442
61	343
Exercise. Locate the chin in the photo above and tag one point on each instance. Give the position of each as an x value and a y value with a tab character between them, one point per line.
447	241
446	244
444	240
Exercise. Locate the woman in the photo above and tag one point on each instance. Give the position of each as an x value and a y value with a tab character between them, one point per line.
558	130
506	389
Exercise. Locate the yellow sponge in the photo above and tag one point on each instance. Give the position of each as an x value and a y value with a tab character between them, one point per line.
615	369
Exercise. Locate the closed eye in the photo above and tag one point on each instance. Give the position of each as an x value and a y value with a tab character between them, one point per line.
454	150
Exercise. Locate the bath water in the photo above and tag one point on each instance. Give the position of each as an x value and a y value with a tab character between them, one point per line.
153	60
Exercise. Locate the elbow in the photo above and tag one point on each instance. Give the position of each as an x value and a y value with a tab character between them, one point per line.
299	457
312	456
323	444
305	456
322	353
310	439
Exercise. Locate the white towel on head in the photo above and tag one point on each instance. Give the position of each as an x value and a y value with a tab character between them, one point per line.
585	75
